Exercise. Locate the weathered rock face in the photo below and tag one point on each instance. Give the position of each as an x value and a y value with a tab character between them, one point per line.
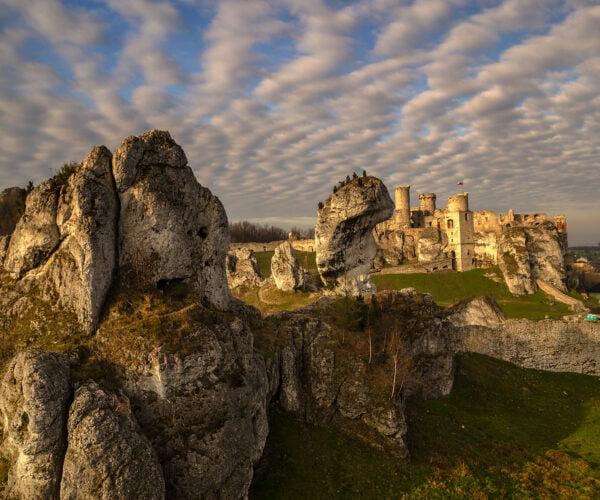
170	228
529	253
312	380
12	204
67	238
203	407
242	269
315	377
106	456
34	399
344	233
390	242
3	247
547	255
429	247
486	248
36	235
483	311
287	272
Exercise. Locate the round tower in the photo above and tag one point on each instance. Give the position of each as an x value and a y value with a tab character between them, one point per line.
402	195
458	203
427	202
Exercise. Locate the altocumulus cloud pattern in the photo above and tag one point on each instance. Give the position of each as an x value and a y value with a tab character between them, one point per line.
274	101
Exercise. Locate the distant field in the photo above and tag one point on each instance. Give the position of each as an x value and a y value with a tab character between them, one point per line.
447	288
504	432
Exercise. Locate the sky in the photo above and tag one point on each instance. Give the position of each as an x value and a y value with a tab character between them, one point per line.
275	101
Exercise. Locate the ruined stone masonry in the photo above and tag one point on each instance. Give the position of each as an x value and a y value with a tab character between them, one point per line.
461	239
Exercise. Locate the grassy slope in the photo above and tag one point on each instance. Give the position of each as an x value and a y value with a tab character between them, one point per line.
447	288
503	432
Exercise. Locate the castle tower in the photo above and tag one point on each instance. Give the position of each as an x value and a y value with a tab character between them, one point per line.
460	231
402	195
427	203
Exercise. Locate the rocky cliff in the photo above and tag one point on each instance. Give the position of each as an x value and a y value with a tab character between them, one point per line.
344	240
161	392
528	253
323	364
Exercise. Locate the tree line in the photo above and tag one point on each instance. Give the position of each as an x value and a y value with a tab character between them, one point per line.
246	232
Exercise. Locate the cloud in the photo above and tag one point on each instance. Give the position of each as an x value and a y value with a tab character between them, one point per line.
274	101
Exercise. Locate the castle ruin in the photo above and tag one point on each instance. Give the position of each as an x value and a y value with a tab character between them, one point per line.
453	238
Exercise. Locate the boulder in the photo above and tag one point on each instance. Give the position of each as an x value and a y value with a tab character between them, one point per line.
344	234
66	240
34	401
170	227
286	271
242	269
107	457
481	310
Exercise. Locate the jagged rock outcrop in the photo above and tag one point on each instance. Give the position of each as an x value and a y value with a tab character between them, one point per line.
286	271
344	240
12	205
106	456
481	310
3	247
319	375
171	227
486	248
203	406
242	269
67	238
429	247
34	399
527	253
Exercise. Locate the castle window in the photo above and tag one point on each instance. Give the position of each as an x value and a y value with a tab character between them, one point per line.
450	223
466	216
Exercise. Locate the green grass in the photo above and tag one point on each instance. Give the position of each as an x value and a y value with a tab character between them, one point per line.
447	288
264	261
504	432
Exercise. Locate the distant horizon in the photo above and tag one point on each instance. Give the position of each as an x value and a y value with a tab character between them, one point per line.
275	101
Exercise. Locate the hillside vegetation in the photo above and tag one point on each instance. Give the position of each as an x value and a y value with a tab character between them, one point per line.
504	432
446	289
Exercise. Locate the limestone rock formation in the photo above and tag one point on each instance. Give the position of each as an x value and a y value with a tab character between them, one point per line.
3	247
34	399
316	376
12	204
344	233
106	456
286	271
36	235
311	381
203	405
67	238
526	254
481	310
429	247
242	269
171	227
